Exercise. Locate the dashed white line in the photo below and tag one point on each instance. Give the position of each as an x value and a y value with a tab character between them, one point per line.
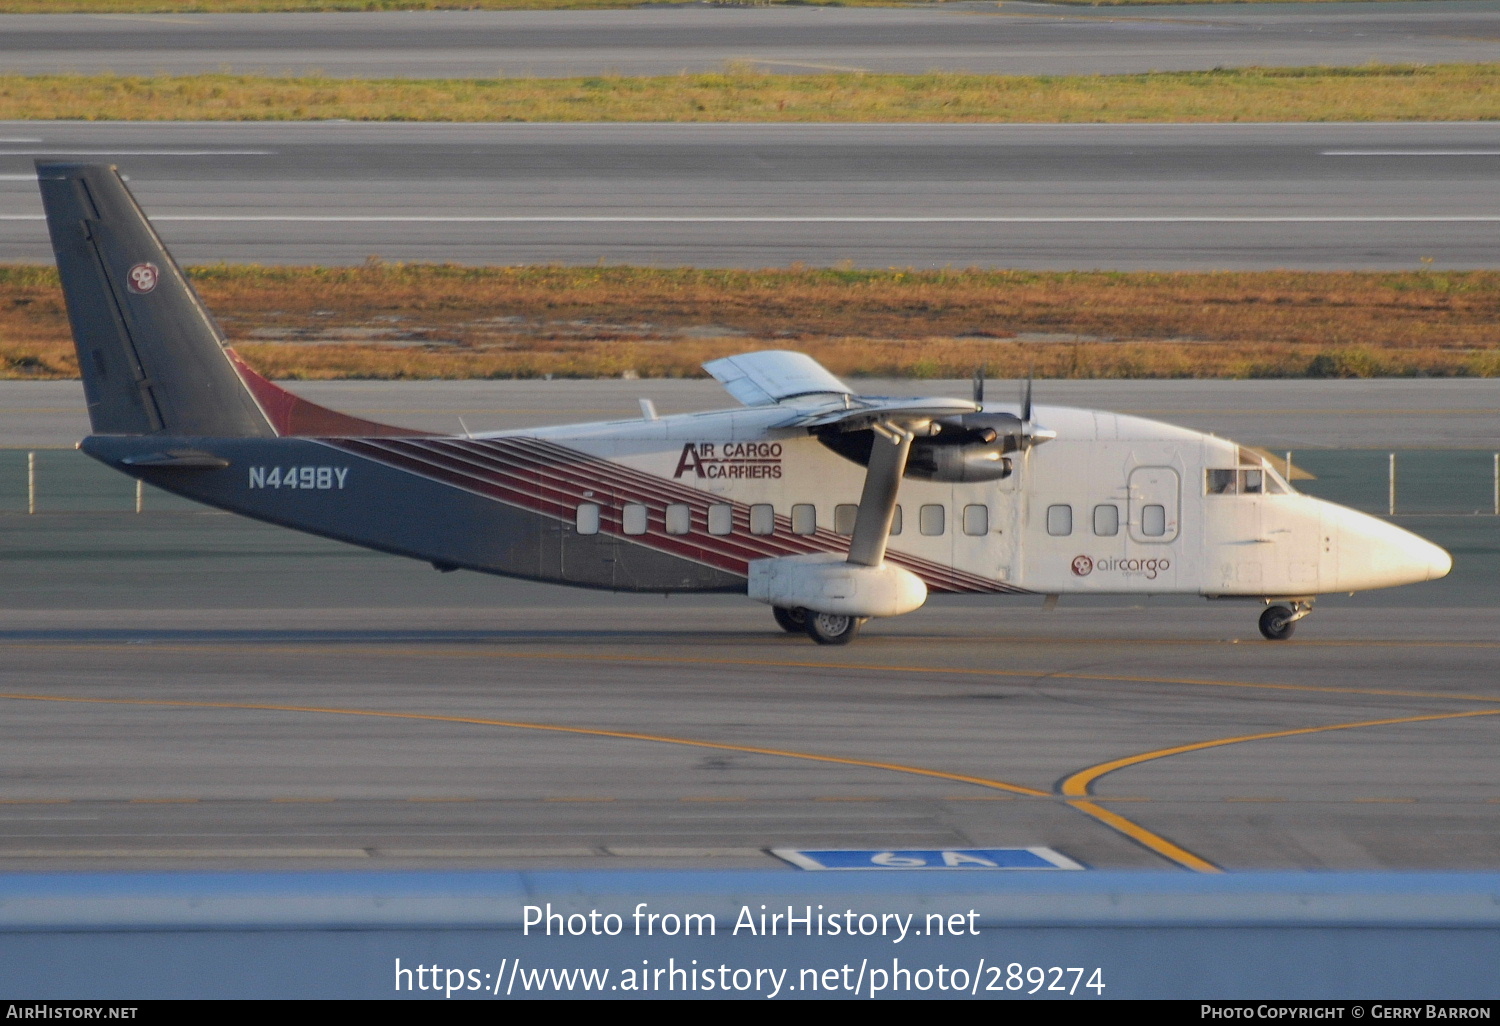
1411	153
135	153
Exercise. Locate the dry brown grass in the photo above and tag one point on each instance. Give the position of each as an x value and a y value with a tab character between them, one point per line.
1376	93
441	321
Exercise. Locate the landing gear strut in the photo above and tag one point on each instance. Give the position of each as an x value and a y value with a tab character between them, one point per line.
833	628
793	620
1278	621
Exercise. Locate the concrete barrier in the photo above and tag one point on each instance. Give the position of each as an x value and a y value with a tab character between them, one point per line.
452	935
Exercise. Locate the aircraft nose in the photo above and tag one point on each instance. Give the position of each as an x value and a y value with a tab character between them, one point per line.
1377	554
1439	562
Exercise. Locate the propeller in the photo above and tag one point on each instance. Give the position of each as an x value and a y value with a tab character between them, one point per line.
979	385
1031	432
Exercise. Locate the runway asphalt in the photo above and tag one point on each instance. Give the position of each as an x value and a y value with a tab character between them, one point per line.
1354	414
1317	196
1005	38
190	689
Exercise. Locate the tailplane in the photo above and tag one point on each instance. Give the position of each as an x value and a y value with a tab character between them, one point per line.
153	361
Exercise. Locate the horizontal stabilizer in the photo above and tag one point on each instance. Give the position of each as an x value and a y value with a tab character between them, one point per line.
178	459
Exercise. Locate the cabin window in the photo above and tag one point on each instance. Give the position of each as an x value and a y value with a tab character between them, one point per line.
633	518
1252	482
762	518
1153	521
844	515
932	520
1107	520
587	520
720	518
976	520
804	518
679	518
896	522
1059	521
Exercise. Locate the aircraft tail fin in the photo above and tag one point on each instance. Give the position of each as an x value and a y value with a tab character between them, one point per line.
152	359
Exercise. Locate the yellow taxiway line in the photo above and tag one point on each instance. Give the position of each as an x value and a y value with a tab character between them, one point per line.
1078	787
625	735
339	651
1075	788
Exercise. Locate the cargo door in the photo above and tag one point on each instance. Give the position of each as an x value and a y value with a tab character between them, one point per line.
1155	505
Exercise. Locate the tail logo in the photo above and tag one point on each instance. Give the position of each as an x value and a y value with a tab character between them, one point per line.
143	278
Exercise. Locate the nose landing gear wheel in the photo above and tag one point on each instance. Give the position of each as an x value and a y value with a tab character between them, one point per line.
1277	623
793	620
831	628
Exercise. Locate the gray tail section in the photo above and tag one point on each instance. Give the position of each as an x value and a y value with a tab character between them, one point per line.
152	359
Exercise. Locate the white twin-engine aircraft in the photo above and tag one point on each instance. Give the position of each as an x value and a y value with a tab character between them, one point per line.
831	507
899	497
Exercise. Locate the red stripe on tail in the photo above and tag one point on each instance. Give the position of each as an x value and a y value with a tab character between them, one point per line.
293	416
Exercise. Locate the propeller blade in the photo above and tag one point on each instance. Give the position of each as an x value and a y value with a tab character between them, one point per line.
1026	401
979	385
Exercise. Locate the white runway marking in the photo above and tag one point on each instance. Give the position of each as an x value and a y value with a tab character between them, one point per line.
1411	153
135	153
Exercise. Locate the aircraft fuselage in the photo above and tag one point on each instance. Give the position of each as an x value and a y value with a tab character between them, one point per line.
1114	504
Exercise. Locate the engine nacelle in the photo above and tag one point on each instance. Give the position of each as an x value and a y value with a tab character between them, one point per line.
959	450
825	582
959	464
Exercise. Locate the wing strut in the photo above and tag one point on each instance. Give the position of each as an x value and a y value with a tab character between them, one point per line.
862	584
877	503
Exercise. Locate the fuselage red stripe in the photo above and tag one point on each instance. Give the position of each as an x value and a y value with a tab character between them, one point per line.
552	480
830	542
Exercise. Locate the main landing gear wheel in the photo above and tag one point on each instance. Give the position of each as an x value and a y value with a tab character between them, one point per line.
792	620
1277	623
832	628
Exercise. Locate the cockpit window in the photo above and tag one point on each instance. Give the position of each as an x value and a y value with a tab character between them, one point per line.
1261	480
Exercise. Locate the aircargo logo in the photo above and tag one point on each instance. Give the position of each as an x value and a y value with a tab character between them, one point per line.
1147	568
142	278
738	460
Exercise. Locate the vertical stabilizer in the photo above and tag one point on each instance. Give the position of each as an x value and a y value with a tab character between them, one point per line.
151	357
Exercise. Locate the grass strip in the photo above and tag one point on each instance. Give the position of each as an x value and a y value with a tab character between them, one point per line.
1450	92
447	321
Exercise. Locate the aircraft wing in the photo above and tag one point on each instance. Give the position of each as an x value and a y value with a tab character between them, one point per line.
858	412
769	376
775	376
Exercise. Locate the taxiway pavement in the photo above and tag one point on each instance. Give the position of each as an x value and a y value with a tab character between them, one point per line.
190	689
